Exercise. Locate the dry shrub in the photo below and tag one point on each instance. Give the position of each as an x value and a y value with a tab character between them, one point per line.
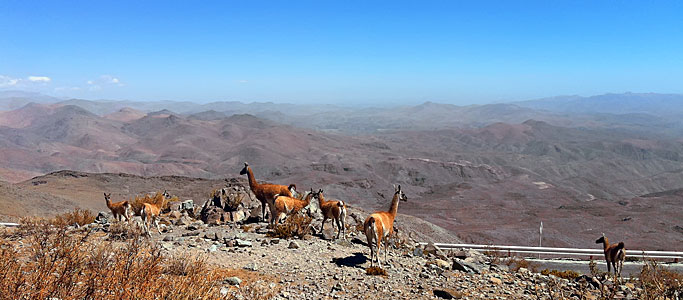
517	263
77	216
247	228
57	263
657	282
296	225
185	266
375	271
120	231
568	274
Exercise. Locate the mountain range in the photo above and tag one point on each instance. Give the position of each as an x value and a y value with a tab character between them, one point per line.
490	173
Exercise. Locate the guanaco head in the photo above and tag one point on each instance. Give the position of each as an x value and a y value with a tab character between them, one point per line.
292	189
399	192
246	169
107	197
166	195
601	239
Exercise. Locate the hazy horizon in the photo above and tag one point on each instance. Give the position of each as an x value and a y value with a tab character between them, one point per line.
354	53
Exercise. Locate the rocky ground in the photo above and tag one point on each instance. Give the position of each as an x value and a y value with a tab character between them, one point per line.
318	266
226	232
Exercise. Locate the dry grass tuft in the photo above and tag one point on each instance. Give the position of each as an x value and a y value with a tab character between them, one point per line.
375	271
568	274
78	217
294	226
121	231
58	263
517	263
657	282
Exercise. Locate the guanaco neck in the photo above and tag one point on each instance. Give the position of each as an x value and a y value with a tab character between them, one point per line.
605	243
321	199
252	181
394	205
307	200
108	202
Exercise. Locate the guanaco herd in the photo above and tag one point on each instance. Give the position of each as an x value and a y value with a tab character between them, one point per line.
378	227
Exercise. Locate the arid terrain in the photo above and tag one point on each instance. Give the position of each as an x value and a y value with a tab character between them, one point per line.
488	173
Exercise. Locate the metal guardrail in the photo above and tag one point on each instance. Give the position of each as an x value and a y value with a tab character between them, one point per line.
9	224
559	251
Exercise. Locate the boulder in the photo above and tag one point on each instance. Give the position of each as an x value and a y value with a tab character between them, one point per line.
175	206
187	205
212	215
237	216
294	245
174	214
435	251
102	218
183	221
464	266
233	281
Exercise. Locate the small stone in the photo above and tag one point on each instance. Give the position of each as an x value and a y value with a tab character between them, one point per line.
495	280
275	241
233	280
168	238
294	245
242	243
251	267
213	248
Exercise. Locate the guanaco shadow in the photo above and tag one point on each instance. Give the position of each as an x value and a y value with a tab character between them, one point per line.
354	261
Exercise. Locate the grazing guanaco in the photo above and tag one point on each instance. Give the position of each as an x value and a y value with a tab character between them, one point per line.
335	210
285	205
118	209
265	192
615	254
380	225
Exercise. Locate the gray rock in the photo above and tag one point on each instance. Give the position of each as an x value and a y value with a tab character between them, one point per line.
435	251
233	281
419	252
294	245
252	266
275	241
102	218
242	243
213	248
238	216
183	221
462	265
230	243
168	238
187	205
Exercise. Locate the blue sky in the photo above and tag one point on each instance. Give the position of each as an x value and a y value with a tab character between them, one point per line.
341	52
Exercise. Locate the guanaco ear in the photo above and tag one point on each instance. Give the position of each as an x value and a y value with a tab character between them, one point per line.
246	164
105	194
399	187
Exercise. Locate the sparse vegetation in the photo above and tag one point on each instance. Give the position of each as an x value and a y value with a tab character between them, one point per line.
657	282
517	263
120	231
567	274
78	217
58	263
296	225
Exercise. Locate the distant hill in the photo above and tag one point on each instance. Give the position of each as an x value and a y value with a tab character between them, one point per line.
626	103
